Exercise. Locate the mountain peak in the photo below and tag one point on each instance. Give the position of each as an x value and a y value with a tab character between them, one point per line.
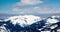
23	20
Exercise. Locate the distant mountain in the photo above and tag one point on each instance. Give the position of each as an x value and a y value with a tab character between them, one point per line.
24	20
52	24
29	23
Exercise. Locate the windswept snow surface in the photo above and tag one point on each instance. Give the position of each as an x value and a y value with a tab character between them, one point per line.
0	20
53	19
55	16
24	20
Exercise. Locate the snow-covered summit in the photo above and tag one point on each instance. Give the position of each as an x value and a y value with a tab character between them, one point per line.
53	19
24	20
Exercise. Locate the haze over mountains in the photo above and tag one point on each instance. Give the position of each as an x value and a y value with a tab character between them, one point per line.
3	16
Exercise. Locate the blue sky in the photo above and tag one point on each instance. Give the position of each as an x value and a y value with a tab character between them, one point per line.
30	6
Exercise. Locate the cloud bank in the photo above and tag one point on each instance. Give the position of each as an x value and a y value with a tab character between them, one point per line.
29	2
33	7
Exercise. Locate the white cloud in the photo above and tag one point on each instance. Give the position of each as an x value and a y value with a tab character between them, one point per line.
40	10
28	7
29	2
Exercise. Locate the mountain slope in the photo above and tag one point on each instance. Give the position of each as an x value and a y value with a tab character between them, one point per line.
24	20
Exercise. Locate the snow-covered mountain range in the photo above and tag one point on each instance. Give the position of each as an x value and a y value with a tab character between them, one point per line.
24	22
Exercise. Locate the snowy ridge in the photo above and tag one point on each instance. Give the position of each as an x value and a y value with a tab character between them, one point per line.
53	19
24	20
30	22
55	16
53	23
